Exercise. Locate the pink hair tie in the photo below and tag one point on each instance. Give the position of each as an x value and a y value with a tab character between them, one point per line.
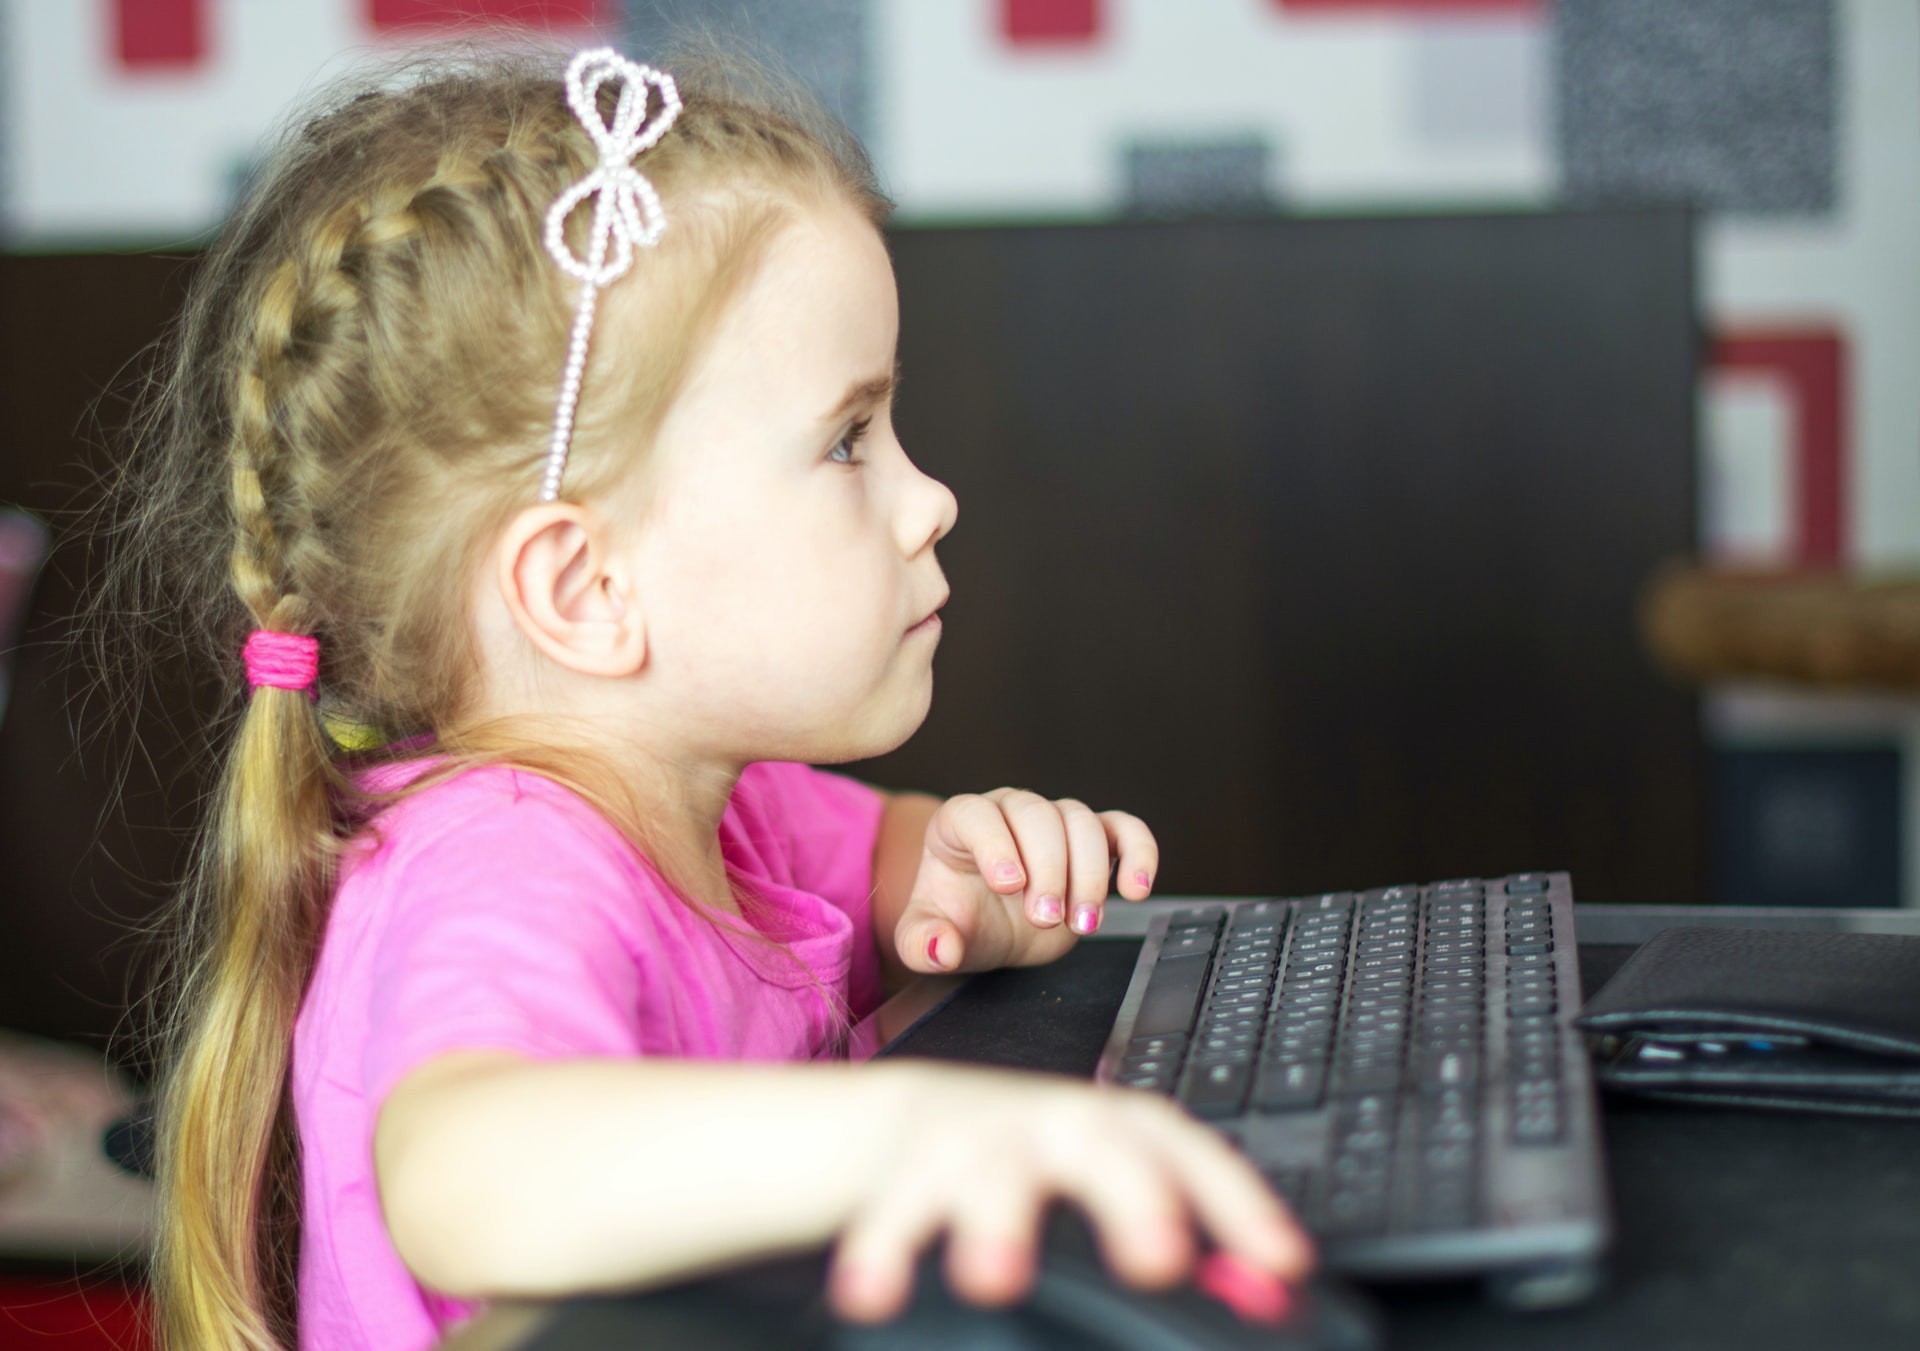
282	661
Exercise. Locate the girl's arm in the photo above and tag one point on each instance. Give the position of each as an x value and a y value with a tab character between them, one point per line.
897	852
501	1176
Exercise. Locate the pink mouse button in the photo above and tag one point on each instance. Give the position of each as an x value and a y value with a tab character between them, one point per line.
1257	1296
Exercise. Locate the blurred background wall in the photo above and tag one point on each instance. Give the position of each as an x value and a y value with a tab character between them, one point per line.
1790	127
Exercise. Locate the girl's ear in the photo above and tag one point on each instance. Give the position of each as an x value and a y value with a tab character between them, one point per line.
569	592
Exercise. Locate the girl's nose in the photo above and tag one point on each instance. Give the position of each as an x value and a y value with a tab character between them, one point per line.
929	515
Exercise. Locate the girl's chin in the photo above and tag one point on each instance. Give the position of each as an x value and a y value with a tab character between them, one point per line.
897	728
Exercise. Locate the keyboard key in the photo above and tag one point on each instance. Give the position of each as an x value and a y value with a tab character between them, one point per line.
1227	1041
1369	1076
1526	884
1237	1022
1233	984
1349	1213
1186	943
1261	914
1239	1001
1449	1069
1540	1126
1173	993
1172	1043
1442	1204
1216	1090
1290	1184
1197	917
1448	1116
1295	1087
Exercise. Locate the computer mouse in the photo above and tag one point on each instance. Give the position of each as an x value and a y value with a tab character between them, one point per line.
1074	1304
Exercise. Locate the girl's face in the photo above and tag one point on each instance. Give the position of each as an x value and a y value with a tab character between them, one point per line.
786	568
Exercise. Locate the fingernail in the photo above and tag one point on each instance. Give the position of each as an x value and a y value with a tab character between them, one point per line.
1086	918
933	949
1008	872
1257	1296
1048	909
1142	879
860	1289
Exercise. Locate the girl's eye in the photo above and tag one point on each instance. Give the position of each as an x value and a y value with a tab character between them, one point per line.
843	449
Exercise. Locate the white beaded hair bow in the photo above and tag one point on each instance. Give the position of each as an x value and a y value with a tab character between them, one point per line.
626	209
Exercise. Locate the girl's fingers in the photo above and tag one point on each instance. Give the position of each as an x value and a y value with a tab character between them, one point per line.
930	945
1139	854
971	832
991	1242
1042	836
1089	865
1131	1199
1230	1199
874	1262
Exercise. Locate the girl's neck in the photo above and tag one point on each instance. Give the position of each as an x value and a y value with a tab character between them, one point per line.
669	806
678	816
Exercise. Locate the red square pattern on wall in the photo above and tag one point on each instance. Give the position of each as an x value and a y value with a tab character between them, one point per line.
539	14
1050	22
1810	365
159	34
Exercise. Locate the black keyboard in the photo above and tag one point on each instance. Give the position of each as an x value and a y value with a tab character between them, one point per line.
1400	1064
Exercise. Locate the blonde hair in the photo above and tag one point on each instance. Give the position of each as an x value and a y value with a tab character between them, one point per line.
354	401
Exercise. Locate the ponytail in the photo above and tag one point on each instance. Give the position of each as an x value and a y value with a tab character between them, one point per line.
228	1170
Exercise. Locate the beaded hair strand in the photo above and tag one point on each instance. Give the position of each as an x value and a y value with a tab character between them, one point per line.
626	210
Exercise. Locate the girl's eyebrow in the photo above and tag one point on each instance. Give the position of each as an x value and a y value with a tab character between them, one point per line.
864	392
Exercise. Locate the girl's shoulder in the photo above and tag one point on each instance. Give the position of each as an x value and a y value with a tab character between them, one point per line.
497	803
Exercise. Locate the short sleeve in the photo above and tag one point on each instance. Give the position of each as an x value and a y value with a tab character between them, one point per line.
514	930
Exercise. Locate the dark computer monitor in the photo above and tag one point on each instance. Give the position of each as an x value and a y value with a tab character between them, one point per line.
1317	542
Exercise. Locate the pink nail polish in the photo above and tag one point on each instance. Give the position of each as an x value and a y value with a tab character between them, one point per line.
933	949
1141	879
1048	909
1257	1296
1086	919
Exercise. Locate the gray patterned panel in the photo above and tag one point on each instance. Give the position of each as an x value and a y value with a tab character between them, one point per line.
1197	176
822	42
1727	104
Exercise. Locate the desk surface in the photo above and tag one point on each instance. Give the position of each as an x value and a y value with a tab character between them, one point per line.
1732	1228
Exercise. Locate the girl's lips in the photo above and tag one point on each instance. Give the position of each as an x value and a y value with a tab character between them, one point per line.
931	624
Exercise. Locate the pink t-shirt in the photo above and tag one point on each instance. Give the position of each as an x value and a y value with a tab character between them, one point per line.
499	910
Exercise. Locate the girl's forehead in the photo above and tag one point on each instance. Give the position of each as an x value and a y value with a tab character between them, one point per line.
818	313
816	317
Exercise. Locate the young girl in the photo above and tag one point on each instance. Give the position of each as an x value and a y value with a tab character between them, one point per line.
534	435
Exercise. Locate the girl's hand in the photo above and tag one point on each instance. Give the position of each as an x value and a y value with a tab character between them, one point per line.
1009	878
983	1152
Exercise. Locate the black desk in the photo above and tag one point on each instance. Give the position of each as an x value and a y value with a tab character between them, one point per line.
1732	1228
